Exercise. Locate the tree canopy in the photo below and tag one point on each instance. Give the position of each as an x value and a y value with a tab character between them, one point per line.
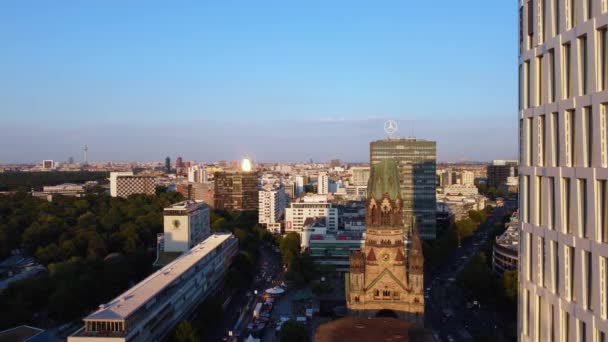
292	331
93	247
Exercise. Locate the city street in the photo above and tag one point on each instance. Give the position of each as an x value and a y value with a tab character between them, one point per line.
269	265
447	313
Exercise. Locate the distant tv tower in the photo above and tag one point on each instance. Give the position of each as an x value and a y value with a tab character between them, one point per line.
85	150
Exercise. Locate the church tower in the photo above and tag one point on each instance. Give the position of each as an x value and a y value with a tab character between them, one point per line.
386	277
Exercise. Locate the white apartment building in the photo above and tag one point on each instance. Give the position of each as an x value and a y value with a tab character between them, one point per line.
323	184
459	189
185	225
271	209
360	175
150	309
197	174
467	178
563	100
298	212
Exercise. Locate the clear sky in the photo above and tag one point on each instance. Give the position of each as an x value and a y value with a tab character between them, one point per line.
272	80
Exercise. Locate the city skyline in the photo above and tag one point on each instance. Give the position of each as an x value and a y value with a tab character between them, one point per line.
139	83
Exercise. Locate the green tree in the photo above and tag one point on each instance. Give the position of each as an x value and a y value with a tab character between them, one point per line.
476	216
510	285
290	247
185	332
218	224
292	331
465	228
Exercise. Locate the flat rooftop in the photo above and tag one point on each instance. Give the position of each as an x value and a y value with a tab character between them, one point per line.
124	305
185	205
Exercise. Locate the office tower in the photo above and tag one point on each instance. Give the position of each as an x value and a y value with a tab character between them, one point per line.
236	190
360	175
335	163
125	184
499	171
168	164
416	160
563	75
149	310
185	225
323	184
71	160
272	203
385	275
179	166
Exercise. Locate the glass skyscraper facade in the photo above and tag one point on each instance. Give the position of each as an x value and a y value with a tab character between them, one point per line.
417	163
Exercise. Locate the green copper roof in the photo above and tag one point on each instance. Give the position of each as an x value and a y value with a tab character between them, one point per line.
384	177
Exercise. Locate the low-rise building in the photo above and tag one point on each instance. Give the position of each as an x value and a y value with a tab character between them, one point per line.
297	213
505	253
333	249
150	309
125	184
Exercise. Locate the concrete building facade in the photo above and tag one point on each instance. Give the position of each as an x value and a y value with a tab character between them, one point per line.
297	213
125	184
185	225
149	310
323	184
563	100
236	191
272	204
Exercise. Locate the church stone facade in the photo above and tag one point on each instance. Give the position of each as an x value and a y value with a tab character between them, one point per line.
388	273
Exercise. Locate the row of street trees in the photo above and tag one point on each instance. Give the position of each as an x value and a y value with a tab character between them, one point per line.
452	236
481	283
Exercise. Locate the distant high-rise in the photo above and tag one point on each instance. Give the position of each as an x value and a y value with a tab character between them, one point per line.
323	184
563	175
197	174
48	164
499	171
335	163
299	183
236	191
179	166
467	178
71	160
416	160
168	164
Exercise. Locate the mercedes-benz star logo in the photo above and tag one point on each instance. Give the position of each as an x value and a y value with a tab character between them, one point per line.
390	127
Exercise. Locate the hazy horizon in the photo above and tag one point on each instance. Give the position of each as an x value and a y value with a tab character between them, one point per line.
269	80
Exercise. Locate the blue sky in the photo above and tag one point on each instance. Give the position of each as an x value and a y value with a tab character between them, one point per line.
273	80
